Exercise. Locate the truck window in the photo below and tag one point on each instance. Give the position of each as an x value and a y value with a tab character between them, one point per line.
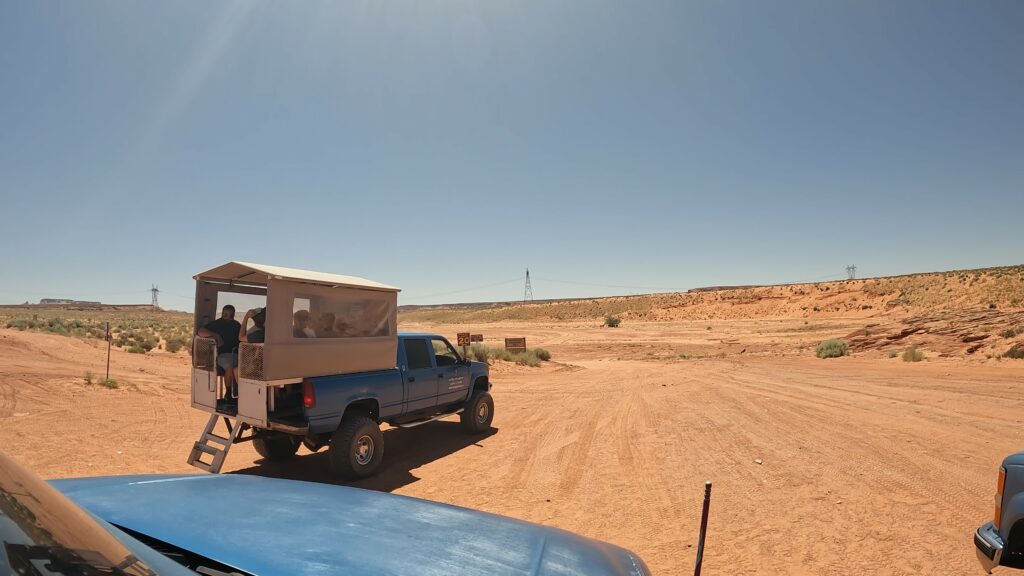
444	355
416	354
345	314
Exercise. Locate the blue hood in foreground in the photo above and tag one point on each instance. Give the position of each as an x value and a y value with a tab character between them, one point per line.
275	527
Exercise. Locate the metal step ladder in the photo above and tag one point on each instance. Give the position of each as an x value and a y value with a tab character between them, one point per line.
214	445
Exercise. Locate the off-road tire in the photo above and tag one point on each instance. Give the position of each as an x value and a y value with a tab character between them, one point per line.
276	446
478	413
357	448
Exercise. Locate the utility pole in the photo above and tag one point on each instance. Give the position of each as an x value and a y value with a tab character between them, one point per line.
528	293
155	290
851	272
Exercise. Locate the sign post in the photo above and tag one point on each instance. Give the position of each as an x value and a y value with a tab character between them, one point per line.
464	342
703	529
108	351
515	345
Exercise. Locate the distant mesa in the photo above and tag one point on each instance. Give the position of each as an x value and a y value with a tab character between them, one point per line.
72	304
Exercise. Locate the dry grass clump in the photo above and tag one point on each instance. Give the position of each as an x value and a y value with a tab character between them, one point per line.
912	354
833	348
532	358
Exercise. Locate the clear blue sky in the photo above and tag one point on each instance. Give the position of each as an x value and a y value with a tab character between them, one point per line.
443	146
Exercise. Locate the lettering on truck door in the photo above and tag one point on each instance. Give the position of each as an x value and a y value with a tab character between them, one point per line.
452	376
419	374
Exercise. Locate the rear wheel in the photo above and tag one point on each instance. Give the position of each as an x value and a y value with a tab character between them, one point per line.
478	414
357	448
276	446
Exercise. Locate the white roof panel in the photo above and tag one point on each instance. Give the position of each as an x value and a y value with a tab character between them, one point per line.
259	274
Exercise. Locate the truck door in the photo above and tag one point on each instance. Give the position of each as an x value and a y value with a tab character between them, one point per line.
452	375
419	375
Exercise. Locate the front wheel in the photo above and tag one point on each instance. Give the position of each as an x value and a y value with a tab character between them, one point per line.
478	413
276	446
357	448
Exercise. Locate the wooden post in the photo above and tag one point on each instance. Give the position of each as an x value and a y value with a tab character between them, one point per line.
703	528
108	351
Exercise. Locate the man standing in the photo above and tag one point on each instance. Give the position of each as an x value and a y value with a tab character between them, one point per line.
225	331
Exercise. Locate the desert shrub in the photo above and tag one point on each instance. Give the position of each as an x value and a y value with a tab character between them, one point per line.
500	354
478	352
109	383
912	354
175	343
528	358
22	324
137	350
832	349
1016	352
612	321
893	353
1010	332
88	377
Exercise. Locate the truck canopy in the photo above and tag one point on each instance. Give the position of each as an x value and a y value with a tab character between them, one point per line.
317	324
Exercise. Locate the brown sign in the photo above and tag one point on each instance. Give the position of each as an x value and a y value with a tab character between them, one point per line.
515	345
463	338
476	337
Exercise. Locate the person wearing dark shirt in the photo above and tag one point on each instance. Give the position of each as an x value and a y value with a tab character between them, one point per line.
224	331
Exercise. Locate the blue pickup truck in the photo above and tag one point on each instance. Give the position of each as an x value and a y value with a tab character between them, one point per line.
243	525
1000	542
430	380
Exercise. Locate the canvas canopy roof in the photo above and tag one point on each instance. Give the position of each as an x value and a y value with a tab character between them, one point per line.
248	273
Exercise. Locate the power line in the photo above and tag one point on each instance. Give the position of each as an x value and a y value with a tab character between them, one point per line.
463	290
528	293
611	285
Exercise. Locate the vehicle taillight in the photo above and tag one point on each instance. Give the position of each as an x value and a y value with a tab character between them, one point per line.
308	395
1000	484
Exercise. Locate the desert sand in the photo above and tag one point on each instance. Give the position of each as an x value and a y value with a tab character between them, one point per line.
855	465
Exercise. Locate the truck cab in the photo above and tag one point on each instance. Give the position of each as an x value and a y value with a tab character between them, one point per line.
1001	541
332	385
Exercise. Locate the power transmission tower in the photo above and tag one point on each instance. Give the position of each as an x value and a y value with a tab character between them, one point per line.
851	272
528	293
155	290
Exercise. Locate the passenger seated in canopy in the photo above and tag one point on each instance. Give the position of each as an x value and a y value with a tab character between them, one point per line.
300	327
325	327
257	334
224	331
